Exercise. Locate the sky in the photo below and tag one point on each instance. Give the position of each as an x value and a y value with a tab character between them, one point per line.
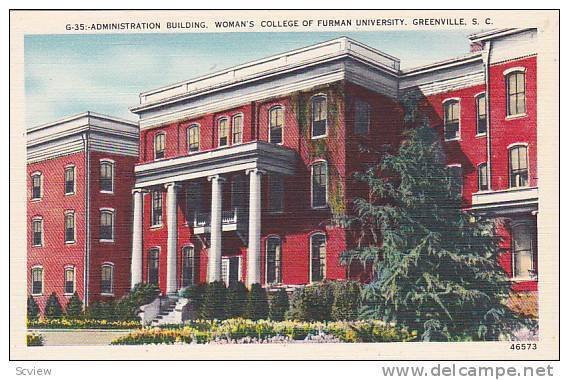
70	74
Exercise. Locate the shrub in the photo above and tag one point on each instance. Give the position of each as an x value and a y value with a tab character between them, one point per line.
257	303
312	303
279	305
33	309
33	339
196	295
74	308
102	310
127	308
53	307
214	301
237	295
347	300
64	323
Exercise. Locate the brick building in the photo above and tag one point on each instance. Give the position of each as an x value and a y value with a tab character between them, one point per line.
79	208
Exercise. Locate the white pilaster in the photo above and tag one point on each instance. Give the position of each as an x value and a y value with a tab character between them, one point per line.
214	255
172	242
136	258
254	241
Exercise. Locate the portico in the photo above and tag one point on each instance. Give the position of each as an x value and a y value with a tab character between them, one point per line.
254	160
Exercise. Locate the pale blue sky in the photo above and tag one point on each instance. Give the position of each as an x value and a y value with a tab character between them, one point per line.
69	74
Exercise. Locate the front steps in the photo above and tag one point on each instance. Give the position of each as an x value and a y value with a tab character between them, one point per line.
171	312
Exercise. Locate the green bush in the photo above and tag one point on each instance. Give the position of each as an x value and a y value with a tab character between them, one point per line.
279	305
102	310
53	308
347	300
74	308
214	301
33	309
127	307
257	303
33	339
237	296
196	295
312	303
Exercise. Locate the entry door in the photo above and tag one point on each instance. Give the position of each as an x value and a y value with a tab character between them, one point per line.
231	269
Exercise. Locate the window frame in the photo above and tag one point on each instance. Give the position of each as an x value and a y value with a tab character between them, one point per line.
107	211
276	108
448	102
107	161
272	177
313	100
514	253
227	131
278	267
148	267
193	126
39	175
311	269
157	135
32	270
449	166
511	147
237	116
38	219
67	214
312	165
193	265
358	103
153	213
65	270
477	99
73	169
479	167
507	74
112	280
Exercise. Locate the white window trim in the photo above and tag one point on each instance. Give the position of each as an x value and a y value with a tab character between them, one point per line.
312	137
38	219
445	101
515	278
72	213
112	162
311	254
274	107
69	166
240	114
461	179
34	174
219	119
187	245
506	73
368	127
239	267
113	220
155	248
193	125
65	268
478	191
476	96
508	148
273	236
112	265
152	225
163	133
516	69
42	280
312	184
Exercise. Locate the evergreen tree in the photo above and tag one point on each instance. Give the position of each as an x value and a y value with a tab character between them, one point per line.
279	305
53	308
258	303
74	308
236	305
435	267
214	301
33	309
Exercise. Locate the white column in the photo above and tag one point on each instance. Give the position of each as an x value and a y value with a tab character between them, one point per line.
172	242
254	241
136	258
214	255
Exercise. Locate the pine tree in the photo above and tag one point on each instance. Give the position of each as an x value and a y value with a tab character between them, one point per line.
33	309
236	304
74	308
214	301
435	267
53	307
258	303
279	305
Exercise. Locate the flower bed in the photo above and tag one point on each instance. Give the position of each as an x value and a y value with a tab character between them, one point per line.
34	339
63	323
248	331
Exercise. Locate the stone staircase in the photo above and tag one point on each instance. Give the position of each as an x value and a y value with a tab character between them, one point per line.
171	311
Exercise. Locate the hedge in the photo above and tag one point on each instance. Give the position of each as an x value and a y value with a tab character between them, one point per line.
64	323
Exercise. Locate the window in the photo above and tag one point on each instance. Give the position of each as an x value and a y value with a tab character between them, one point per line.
193	200
319	116
276	122
37	232
107	277
159	142
70	227
37	280
483	177
317	257
452	119
516	87
153	266
518	166
69	280
223	131
70	180
106	232
273	260
189	265
194	138
36	186
237	127
481	114
523	246
107	176
455	174
156	208
319	184
362	117
276	193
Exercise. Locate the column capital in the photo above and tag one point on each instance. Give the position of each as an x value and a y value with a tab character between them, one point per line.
255	171
216	177
175	185
137	190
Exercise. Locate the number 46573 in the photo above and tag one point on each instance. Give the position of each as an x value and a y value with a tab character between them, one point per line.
523	346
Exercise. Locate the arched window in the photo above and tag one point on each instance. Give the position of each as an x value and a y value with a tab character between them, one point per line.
153	266
37	185
483	177
516	91
193	138
317	257
69	280
223	132
276	123
523	250
237	128
189	266
481	114
319	116
273	260
106	227
37	281
159	145
37	231
452	119
519	166
107	278
70	227
106	181
319	184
